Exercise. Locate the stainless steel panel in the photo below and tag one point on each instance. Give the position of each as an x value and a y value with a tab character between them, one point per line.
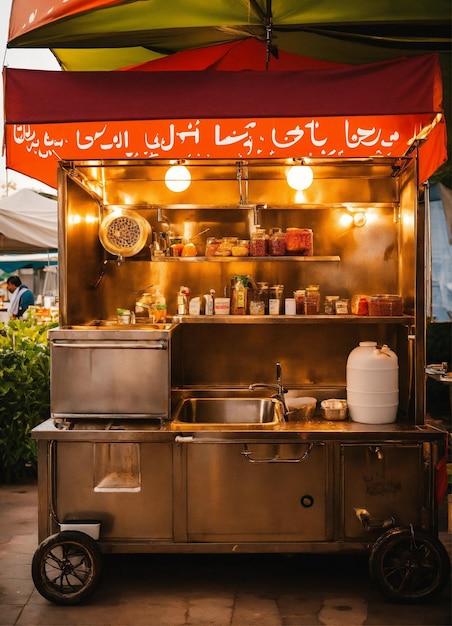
110	378
236	500
125	485
385	479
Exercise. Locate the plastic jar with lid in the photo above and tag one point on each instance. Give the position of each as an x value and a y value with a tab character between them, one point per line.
299	241
277	243
312	299
259	243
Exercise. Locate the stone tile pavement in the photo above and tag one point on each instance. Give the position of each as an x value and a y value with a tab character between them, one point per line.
202	590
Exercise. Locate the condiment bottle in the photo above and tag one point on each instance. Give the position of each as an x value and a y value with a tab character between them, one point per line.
276	300
209	303
239	295
159	308
182	300
312	300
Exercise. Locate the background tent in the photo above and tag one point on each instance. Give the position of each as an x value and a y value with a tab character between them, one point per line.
28	223
108	34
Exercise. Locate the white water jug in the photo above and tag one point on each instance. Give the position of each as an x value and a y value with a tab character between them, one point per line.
372	384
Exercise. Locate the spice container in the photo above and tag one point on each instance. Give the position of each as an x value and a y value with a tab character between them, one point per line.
300	301
263	288
259	243
330	304
276	300
312	300
343	306
290	307
299	242
222	306
386	305
277	243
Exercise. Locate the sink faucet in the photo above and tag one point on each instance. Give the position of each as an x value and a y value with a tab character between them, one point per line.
279	388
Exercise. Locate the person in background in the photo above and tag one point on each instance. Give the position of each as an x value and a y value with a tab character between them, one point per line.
21	297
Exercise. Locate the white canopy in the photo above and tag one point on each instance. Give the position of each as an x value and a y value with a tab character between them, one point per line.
29	220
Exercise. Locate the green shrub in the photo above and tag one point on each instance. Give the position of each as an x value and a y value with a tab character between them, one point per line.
24	395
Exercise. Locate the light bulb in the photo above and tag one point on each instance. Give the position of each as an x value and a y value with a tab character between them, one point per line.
177	178
300	177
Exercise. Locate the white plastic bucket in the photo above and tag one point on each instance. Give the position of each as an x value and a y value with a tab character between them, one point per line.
372	384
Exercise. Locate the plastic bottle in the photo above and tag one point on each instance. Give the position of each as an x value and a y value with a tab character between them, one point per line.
208	299
159	308
182	300
372	384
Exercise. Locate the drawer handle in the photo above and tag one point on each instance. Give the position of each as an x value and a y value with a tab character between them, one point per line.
132	345
246	452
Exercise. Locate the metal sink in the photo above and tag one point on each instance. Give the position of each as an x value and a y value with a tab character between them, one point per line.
230	413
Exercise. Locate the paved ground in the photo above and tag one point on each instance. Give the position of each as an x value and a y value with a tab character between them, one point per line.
183	590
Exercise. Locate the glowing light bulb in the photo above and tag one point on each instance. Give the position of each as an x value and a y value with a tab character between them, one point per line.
300	177
178	178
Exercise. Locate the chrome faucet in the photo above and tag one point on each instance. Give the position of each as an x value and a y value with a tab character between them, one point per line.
279	388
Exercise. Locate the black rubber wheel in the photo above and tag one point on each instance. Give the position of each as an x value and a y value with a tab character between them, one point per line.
66	567
409	565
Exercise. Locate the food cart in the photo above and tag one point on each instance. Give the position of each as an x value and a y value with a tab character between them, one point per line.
177	435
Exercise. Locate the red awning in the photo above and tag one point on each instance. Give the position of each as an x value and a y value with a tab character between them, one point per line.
342	112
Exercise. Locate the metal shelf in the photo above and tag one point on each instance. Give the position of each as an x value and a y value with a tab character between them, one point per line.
245	259
291	319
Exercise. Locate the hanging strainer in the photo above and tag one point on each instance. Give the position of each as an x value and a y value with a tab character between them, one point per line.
124	233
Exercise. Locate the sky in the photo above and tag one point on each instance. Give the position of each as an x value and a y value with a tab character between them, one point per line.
27	59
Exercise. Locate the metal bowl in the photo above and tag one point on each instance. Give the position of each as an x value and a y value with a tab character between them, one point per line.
334	409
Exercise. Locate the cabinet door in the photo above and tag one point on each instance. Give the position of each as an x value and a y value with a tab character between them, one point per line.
266	494
125	485
386	480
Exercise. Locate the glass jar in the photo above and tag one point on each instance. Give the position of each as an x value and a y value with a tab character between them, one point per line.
277	243
299	242
343	306
312	300
241	248
300	301
264	293
259	243
275	303
226	245
143	306
330	304
212	245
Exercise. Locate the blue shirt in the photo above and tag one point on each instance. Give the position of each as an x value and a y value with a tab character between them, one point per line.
26	299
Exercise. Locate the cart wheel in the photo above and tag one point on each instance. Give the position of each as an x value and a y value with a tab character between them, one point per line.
409	565
66	567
